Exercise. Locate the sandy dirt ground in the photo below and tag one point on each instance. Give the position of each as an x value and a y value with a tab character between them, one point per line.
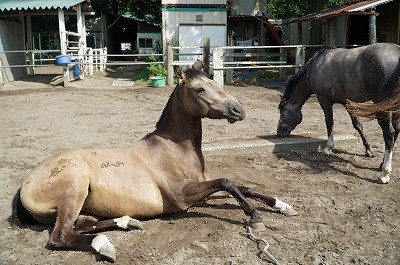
345	217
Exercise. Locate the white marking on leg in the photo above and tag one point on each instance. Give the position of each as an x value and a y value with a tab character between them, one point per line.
329	145
103	246
386	168
284	208
127	222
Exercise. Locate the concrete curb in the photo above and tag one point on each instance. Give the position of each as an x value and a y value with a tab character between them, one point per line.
272	144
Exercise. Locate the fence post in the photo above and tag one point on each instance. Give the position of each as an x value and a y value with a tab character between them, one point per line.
170	69
101	60
206	55
105	59
300	57
1	74
218	63
90	62
66	75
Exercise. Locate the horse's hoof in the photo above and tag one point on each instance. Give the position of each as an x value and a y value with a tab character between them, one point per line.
289	212
135	224
104	247
258	226
369	153
383	180
327	151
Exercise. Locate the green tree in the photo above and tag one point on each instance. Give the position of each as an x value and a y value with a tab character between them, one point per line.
149	10
295	8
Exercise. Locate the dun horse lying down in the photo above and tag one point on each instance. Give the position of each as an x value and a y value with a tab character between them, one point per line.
86	191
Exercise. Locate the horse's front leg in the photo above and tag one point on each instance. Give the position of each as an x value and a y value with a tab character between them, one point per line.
326	105
197	191
275	203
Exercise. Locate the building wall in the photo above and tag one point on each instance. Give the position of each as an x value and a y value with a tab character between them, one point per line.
11	40
173	18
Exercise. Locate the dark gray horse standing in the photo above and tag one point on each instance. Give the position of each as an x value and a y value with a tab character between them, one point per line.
335	75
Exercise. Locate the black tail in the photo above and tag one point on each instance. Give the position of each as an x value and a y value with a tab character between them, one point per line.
22	213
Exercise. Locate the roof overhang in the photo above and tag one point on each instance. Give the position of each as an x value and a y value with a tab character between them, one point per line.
24	5
352	8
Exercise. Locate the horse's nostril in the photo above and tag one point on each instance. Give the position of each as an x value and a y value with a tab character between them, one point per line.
235	110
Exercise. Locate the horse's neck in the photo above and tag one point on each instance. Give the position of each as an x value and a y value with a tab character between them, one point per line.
179	126
301	93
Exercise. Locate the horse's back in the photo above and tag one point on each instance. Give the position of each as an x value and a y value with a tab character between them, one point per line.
358	74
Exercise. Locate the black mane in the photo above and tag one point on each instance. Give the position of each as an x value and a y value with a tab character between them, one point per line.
190	75
292	81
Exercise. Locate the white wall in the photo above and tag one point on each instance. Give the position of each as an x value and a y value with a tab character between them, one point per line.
173	19
11	39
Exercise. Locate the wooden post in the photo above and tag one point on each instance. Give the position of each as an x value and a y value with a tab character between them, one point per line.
90	63
218	63
327	32
170	69
300	57
1	74
282	57
63	44
299	33
372	29
31	56
82	35
206	55
105	58
332	34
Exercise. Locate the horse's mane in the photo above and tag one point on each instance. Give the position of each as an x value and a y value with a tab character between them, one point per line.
190	75
292	81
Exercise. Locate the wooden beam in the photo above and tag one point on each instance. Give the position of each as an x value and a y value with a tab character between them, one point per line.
372	29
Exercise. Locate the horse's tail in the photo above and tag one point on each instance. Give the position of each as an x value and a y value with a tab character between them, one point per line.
376	110
21	212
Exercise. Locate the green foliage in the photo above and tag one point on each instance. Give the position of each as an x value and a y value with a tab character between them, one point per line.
157	70
149	10
292	8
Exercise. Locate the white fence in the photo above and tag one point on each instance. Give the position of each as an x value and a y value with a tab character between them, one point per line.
220	61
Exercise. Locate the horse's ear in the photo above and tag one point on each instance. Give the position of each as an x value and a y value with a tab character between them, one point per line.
178	72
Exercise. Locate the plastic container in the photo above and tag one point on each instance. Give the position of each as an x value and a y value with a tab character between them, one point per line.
63	59
157	81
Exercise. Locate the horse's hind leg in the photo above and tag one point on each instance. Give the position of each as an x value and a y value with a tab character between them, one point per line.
197	191
358	126
90	224
389	137
63	235
283	207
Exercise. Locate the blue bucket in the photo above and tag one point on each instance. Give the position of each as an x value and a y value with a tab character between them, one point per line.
63	59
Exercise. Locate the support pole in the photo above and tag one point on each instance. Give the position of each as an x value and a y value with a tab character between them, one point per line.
218	63
206	55
170	69
372	28
327	32
1	74
332	34
63	44
31	56
300	57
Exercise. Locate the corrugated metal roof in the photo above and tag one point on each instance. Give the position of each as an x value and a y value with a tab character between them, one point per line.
353	7
17	5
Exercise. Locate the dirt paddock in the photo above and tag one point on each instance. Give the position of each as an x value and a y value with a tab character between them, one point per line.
345	217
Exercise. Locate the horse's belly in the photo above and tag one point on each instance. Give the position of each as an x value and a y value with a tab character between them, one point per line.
112	202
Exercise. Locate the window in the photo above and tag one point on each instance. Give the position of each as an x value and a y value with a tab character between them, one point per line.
145	43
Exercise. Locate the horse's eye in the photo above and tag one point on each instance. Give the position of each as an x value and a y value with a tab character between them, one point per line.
199	90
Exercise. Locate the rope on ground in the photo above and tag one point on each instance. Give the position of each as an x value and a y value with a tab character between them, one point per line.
260	242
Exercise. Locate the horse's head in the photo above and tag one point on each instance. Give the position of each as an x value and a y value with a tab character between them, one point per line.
290	117
202	98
